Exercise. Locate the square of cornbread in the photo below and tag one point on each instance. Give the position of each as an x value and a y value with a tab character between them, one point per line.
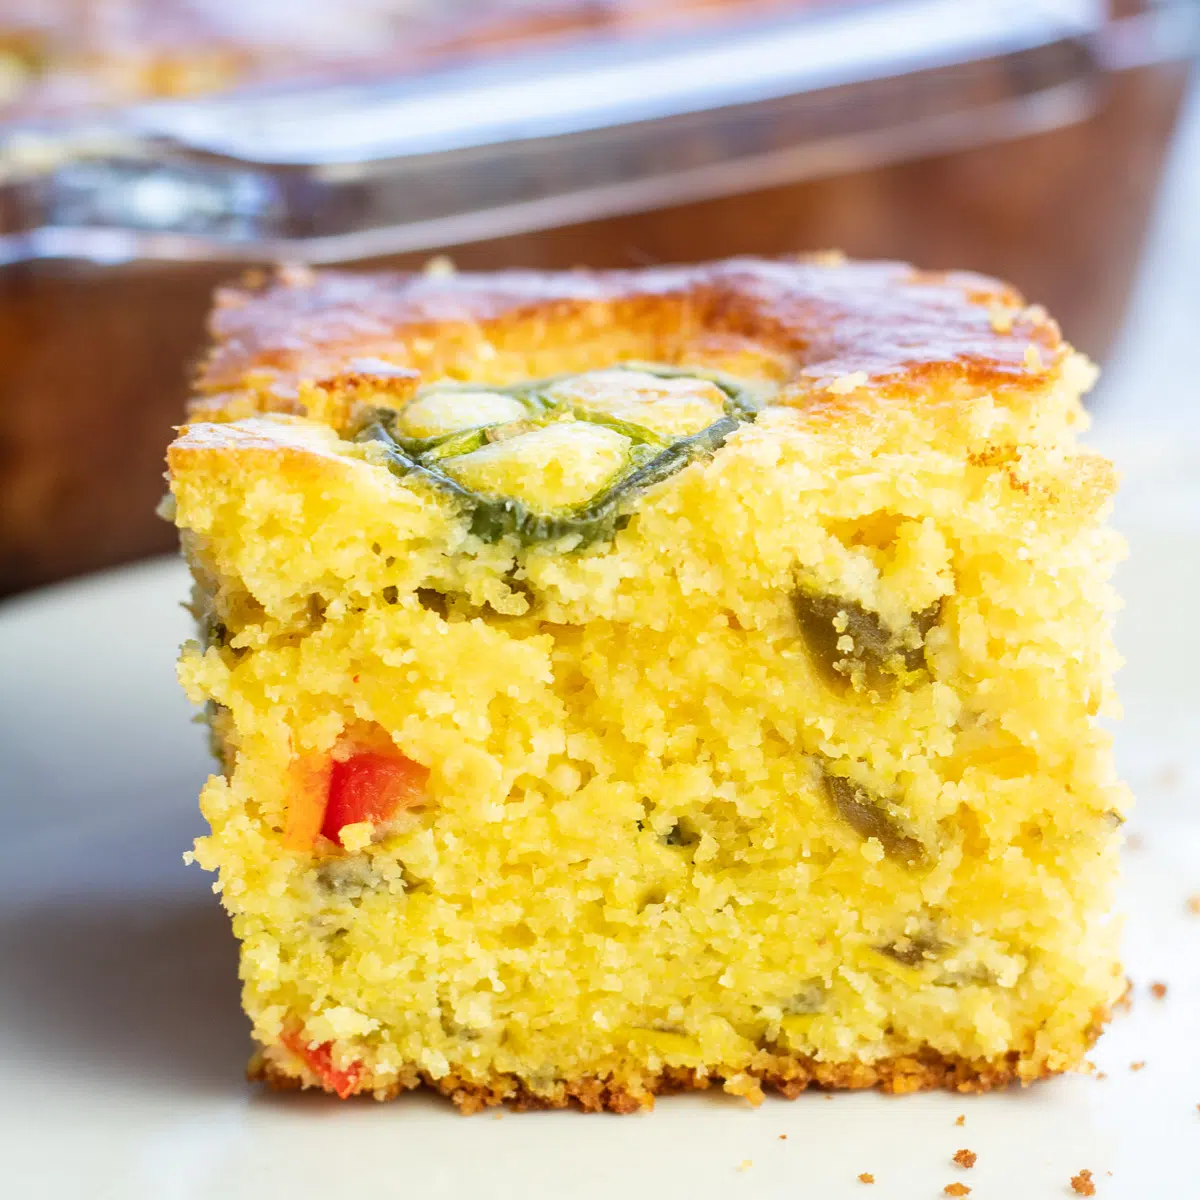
634	681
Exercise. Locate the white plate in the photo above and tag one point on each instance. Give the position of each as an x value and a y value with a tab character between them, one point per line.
122	1044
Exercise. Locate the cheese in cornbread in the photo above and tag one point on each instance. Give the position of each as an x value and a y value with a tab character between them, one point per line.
640	680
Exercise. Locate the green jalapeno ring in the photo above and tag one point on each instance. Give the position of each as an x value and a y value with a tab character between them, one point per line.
652	458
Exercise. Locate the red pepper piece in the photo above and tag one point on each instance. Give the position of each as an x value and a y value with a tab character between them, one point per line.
372	787
308	796
343	1083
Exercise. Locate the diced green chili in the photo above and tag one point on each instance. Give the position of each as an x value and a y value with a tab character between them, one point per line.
809	998
872	816
878	655
682	833
913	951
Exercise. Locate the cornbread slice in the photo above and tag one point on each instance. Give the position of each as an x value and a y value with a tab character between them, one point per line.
630	681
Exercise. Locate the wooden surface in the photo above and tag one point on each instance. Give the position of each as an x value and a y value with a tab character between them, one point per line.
96	360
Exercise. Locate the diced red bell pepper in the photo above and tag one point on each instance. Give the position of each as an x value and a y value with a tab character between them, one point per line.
308	794
372	787
320	1061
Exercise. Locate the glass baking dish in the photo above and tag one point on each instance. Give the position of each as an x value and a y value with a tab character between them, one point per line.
1024	139
544	136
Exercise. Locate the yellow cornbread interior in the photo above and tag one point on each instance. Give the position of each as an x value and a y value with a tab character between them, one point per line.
642	851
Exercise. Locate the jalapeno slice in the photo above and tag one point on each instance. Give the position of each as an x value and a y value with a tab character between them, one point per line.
875	656
562	457
872	816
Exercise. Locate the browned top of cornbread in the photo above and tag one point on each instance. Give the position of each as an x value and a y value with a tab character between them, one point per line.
810	323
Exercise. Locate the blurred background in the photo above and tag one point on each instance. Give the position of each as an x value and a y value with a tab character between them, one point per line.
151	149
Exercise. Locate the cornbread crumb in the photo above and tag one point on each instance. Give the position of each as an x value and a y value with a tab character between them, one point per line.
866	1177
1082	1184
961	1119
1169	776
1158	990
965	1158
1193	904
1101	1075
1137	1066
956	1189
357	836
745	1086
783	1137
745	1164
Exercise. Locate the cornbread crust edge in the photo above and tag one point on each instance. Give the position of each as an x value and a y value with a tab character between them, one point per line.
786	1075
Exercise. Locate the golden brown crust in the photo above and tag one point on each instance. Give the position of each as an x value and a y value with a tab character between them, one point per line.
785	1074
297	442
809	323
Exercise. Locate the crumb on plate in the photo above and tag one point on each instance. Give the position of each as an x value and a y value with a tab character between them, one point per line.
1082	1184
1169	776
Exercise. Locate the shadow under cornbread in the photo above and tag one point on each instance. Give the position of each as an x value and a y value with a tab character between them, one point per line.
136	987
